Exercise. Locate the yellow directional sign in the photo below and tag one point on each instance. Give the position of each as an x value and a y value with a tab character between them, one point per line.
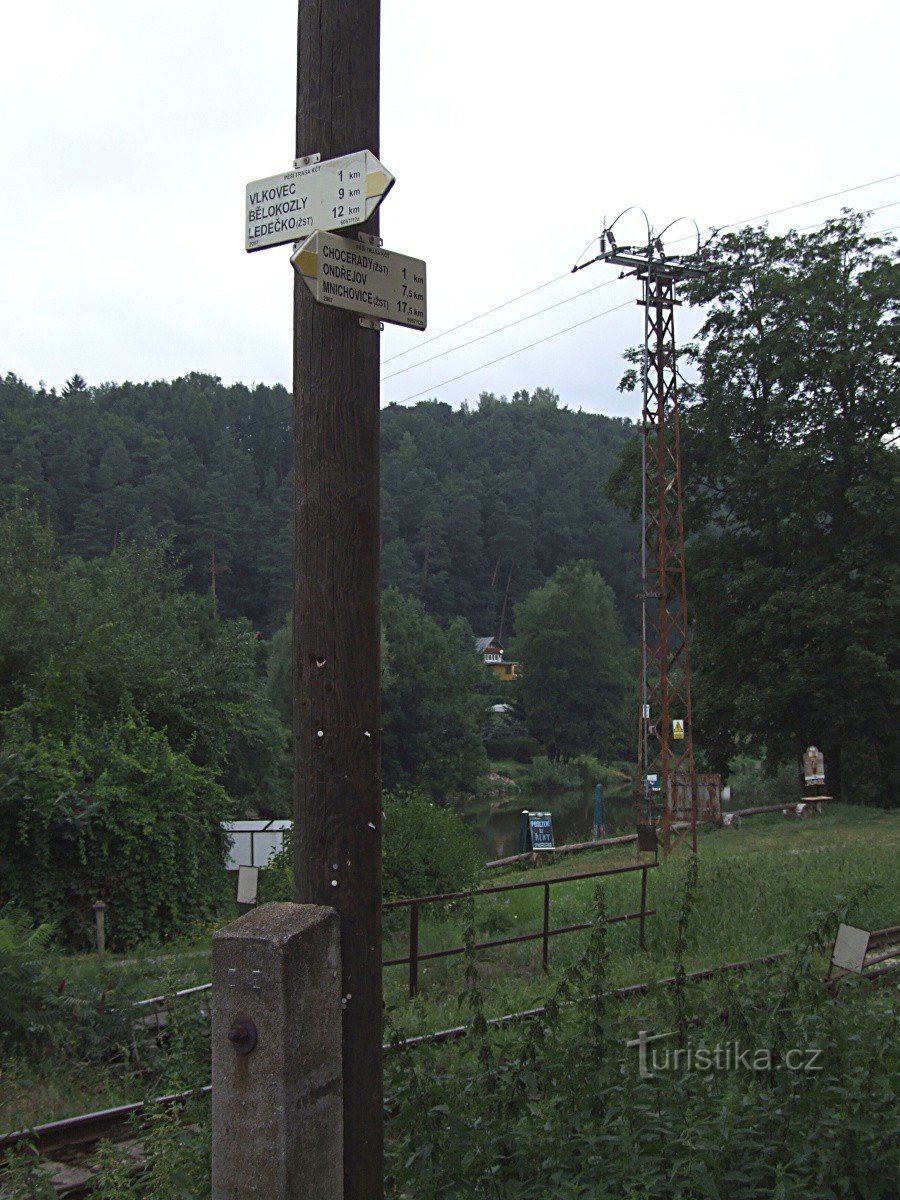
363	278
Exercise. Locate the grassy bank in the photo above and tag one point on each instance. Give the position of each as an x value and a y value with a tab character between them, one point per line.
759	889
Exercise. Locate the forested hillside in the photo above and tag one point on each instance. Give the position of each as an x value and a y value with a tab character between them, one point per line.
479	506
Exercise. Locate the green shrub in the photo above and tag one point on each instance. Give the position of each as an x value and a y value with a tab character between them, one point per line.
552	1105
594	771
114	814
23	975
751	783
48	1006
546	776
426	848
276	880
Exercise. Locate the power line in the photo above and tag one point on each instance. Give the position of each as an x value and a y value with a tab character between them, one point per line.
540	287
501	329
819	224
540	311
556	279
521	350
506	303
803	203
549	309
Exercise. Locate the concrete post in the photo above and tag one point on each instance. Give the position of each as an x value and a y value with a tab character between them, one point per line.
277	1088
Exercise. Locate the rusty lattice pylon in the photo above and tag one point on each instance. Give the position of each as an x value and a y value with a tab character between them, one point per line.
668	790
665	674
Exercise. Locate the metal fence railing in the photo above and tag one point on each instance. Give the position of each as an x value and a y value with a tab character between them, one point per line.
416	956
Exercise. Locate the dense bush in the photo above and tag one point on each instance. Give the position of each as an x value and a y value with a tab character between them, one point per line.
427	848
751	783
114	814
23	975
50	1007
546	776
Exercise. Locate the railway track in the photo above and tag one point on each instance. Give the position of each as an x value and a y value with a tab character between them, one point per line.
64	1147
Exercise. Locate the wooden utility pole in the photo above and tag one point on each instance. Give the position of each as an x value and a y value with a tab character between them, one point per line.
337	725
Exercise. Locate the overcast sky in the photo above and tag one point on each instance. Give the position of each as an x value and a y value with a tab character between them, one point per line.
131	127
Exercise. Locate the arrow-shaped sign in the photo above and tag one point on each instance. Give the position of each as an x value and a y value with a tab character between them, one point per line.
326	195
365	279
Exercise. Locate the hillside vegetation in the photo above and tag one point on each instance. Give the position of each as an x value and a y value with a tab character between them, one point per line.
479	506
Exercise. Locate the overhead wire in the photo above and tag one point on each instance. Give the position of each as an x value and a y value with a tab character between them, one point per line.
483	366
558	278
501	329
803	203
471	321
819	224
568	328
521	349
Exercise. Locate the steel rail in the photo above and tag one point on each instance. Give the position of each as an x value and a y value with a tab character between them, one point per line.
89	1128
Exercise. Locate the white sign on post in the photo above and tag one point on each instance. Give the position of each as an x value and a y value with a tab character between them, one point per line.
325	195
248	882
850	948
365	279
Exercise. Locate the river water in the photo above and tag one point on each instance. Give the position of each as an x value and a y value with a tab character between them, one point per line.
496	823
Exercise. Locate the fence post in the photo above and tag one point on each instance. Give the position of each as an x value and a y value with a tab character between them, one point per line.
641	941
100	919
546	946
277	1094
413	949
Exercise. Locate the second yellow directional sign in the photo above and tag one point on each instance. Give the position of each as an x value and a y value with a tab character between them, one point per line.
369	280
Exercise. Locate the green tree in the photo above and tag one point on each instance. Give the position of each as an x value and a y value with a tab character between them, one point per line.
280	680
472	501
575	665
431	709
27	561
90	640
790	480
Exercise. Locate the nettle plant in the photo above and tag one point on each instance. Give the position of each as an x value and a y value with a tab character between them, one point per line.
558	1104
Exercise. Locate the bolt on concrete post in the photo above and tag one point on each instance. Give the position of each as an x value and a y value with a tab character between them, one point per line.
277	1087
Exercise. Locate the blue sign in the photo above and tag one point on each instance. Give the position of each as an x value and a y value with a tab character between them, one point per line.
599	828
540	828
